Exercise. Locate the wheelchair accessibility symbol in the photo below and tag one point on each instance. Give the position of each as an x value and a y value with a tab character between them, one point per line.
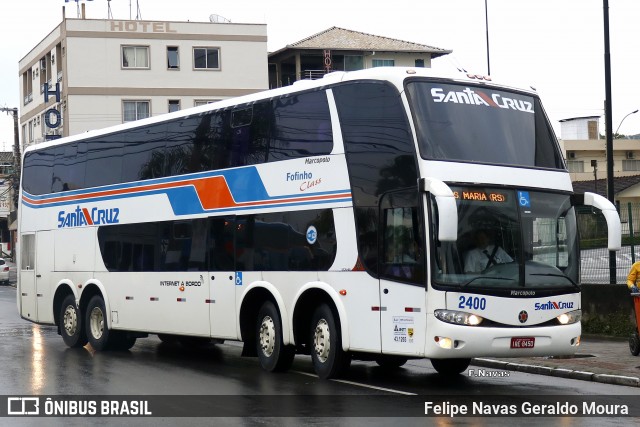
238	278
523	199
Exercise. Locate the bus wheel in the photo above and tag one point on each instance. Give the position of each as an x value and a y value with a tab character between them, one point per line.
274	356
70	323
122	341
634	343
329	360
100	337
391	362
450	366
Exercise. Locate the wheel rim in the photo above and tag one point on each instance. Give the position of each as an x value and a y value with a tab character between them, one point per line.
321	340
267	336
97	323
70	320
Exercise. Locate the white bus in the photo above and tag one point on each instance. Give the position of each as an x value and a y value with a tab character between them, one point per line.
334	218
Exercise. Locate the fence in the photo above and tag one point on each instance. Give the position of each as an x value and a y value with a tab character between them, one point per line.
594	254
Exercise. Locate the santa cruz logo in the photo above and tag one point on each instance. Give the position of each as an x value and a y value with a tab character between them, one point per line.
88	216
553	305
477	97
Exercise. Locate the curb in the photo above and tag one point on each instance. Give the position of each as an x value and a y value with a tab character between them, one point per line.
558	372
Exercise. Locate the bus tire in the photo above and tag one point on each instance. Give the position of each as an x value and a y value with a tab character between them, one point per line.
122	341
634	344
100	336
70	323
328	357
273	355
450	366
391	362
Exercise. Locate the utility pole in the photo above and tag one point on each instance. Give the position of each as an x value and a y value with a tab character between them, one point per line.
609	128
17	160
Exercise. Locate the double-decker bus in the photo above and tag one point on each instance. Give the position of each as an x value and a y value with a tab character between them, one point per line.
385	214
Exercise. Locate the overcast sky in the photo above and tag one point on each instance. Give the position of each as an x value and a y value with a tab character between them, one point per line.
556	46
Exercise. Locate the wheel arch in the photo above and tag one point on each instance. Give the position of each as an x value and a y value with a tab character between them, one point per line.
252	299
89	290
63	289
310	296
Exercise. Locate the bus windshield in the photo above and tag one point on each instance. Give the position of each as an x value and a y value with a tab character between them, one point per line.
509	239
481	125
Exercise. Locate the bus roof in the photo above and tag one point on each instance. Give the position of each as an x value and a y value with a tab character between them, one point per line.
395	75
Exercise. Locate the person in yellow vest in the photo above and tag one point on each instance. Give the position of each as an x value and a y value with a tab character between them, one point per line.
634	277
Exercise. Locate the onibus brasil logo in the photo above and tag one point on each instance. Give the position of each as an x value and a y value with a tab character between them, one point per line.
88	216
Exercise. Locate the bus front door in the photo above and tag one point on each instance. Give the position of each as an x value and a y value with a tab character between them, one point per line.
402	272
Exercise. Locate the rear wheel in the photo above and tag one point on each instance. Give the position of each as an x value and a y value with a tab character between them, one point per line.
274	356
450	366
328	357
100	336
634	343
70	323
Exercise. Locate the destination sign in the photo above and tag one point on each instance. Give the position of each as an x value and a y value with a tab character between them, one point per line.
481	196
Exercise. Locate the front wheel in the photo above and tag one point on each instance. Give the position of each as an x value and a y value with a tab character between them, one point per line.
450	366
274	356
100	336
70	323
328	357
634	343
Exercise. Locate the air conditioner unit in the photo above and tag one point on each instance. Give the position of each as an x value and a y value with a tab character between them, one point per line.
571	155
629	155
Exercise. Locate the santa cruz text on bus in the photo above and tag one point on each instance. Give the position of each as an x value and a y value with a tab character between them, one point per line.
82	216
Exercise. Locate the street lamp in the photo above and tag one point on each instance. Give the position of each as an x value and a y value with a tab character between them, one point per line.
633	112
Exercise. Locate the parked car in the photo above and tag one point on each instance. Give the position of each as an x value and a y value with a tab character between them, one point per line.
4	272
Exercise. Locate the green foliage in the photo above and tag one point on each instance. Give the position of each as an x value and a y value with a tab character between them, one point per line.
613	324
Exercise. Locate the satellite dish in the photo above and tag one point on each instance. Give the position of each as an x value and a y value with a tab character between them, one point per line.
218	19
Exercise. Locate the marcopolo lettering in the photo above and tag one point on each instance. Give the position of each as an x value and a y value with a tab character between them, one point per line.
83	216
471	97
317	160
553	305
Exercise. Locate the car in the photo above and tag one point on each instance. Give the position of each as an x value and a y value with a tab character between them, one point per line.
4	272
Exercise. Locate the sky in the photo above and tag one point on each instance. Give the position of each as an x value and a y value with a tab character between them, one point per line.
555	46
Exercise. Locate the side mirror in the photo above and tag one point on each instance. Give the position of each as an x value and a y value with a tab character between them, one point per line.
447	209
614	229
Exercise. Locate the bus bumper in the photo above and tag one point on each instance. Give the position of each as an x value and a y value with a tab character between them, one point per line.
445	340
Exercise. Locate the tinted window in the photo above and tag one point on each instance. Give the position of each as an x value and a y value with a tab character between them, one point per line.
104	160
295	241
144	153
481	124
38	171
302	126
380	155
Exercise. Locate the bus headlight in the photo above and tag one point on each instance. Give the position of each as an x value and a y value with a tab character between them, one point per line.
570	317
458	317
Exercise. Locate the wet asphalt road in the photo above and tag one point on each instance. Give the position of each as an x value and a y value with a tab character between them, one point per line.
35	361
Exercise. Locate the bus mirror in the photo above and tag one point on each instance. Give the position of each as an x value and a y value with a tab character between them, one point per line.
447	210
614	229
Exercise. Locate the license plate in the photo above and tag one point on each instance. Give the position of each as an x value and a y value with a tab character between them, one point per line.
523	342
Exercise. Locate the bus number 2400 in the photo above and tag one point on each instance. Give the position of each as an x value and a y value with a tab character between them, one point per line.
475	303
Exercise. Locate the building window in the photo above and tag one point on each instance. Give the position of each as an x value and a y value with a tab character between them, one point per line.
419	63
135	57
135	110
199	102
173	58
382	63
353	63
575	166
174	105
630	165
206	58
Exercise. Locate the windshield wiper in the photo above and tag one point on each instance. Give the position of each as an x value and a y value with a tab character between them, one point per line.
485	277
557	275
